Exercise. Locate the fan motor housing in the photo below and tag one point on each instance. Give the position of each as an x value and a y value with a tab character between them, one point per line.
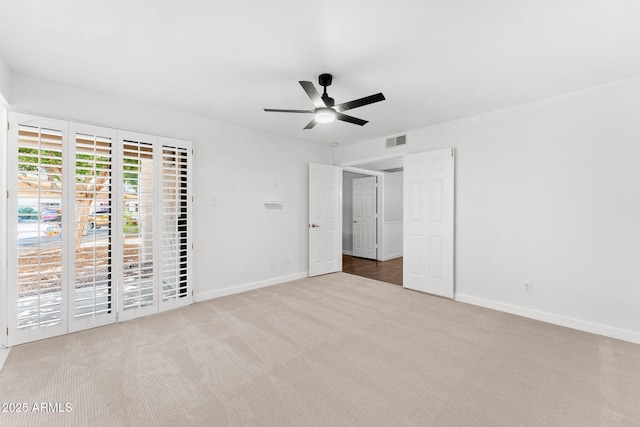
325	79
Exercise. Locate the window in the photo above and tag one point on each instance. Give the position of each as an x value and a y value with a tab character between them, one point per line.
97	183
92	301
138	232
38	250
175	203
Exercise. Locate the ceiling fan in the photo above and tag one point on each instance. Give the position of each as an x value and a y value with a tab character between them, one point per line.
326	111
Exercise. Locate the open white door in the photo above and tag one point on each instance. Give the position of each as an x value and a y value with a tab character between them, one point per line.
324	220
364	217
428	222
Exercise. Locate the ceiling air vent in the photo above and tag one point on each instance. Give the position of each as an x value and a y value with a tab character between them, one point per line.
396	141
392	170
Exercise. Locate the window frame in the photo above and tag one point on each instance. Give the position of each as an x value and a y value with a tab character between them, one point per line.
8	181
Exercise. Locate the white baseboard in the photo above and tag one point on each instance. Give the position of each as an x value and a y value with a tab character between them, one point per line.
392	256
350	253
247	287
569	322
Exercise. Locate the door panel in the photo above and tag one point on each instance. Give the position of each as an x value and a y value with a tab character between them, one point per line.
175	244
324	219
365	217
37	169
92	298
138	290
429	222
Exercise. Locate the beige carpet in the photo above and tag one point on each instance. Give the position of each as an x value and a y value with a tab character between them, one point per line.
336	350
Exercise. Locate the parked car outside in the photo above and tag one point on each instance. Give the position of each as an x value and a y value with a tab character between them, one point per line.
100	218
26	213
49	215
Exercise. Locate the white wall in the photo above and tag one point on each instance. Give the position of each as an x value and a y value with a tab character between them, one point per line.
239	244
548	193
393	196
5	82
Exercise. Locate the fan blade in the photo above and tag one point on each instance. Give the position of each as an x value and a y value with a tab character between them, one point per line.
360	102
311	124
350	119
276	110
313	94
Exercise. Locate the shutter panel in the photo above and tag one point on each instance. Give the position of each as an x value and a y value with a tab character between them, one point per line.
93	298
36	275
176	202
40	256
138	286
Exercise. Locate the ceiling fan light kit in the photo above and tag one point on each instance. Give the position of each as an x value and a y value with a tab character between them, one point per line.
325	110
325	115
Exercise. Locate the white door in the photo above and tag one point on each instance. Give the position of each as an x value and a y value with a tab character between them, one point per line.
364	217
324	220
138	261
38	171
428	222
91	285
174	246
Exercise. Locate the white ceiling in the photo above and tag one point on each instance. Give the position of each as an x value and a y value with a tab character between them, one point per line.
434	60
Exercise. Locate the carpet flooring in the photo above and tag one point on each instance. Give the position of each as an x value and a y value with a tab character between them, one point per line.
334	350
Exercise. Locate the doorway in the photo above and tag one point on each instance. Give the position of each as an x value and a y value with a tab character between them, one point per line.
428	194
387	262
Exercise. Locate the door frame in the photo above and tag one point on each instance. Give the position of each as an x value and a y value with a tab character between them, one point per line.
359	166
4	223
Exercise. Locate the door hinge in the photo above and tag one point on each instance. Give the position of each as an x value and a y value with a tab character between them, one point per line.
8	125
7	194
7	331
192	294
193	246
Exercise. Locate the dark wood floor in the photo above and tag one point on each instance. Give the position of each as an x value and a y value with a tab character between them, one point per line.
386	271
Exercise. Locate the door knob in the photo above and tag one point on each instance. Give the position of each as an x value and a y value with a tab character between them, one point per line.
355	222
314	225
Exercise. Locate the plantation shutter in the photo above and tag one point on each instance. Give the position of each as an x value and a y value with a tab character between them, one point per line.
99	227
93	298
139	290
175	223
36	262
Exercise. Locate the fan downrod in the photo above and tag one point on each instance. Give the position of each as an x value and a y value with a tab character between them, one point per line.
325	80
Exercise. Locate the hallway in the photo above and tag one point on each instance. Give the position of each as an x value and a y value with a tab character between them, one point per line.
386	271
